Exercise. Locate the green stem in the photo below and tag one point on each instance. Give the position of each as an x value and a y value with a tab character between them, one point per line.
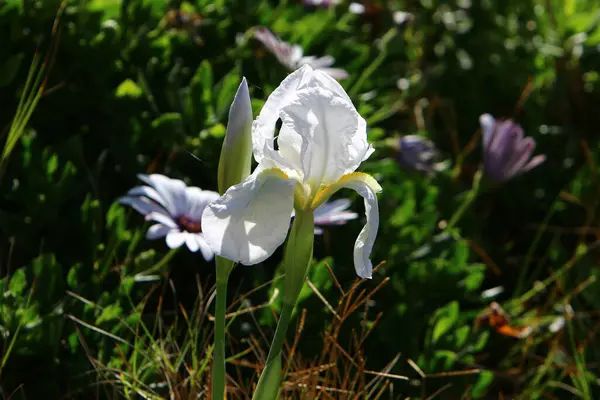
385	40
296	261
471	196
224	268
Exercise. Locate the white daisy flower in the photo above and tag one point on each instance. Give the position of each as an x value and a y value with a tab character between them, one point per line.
176	208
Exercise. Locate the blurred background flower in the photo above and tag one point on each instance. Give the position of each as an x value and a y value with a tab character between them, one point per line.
506	152
176	208
292	56
419	154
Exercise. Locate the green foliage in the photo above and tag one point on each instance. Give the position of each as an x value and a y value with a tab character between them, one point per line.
134	91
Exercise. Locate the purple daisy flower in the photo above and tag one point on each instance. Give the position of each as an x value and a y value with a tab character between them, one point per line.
506	152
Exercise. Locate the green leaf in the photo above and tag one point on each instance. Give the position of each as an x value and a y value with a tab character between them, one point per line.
18	282
109	313
447	318
129	88
168	123
483	382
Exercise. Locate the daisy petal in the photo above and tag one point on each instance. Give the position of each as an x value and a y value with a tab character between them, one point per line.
175	239
172	191
157	231
141	205
161	219
197	200
191	242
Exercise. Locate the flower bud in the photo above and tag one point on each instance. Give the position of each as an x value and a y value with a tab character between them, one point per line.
236	153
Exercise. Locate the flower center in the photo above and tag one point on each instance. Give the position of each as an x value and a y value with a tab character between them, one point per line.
189	224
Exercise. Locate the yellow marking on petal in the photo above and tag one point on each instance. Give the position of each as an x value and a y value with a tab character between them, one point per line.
275	172
327	191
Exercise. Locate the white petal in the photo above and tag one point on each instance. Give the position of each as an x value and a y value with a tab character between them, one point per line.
197	200
161	219
207	253
321	79
327	125
366	186
263	128
171	190
366	238
251	219
147	191
488	124
175	239
191	242
141	205
157	231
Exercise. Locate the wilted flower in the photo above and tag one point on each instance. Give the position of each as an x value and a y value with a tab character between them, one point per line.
418	154
332	213
321	143
506	153
292	56
175	207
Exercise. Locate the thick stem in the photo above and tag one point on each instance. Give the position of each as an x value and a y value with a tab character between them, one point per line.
224	268
296	261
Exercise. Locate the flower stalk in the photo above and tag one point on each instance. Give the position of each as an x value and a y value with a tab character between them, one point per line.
297	260
224	268
234	167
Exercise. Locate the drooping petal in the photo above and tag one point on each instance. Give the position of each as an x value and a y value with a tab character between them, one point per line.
175	239
250	220
157	231
197	200
171	190
263	128
367	187
327	124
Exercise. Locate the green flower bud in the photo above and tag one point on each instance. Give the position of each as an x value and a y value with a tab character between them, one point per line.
236	153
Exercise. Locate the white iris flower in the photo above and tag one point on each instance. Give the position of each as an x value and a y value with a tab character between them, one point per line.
321	143
176	208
